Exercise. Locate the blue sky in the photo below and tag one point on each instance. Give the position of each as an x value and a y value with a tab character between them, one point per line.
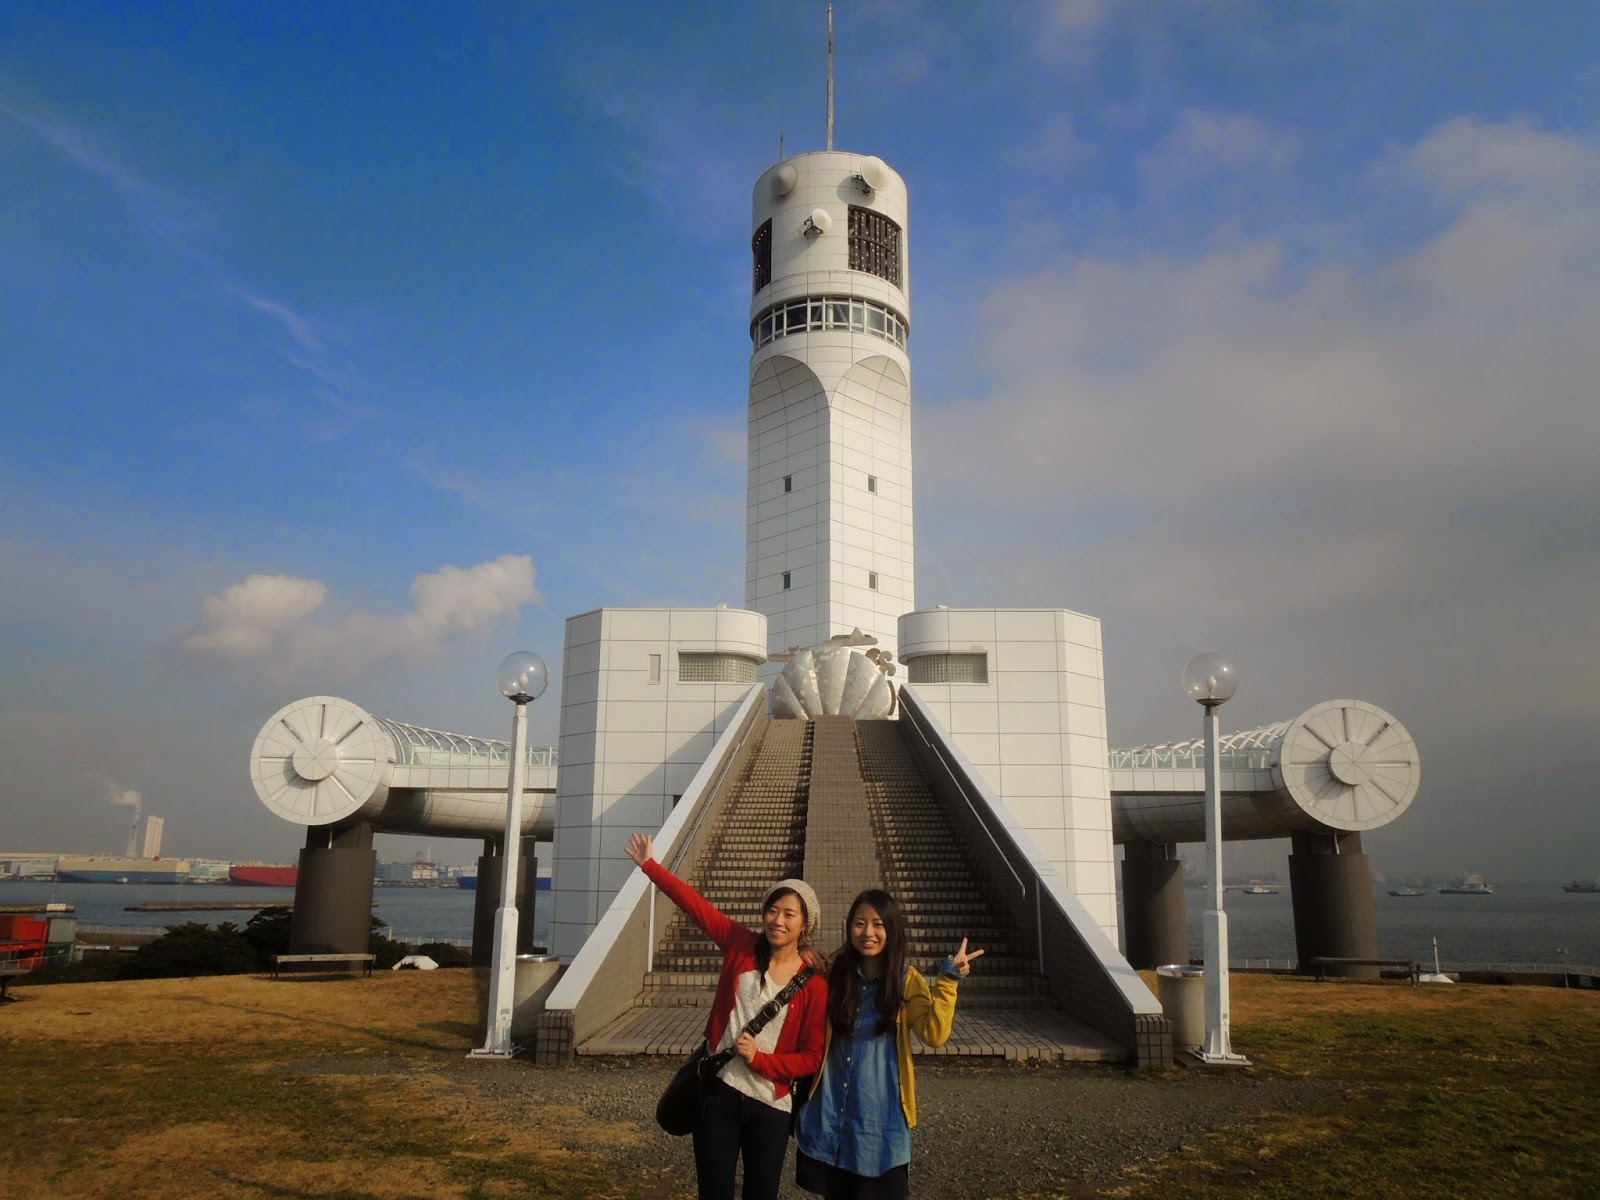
1266	328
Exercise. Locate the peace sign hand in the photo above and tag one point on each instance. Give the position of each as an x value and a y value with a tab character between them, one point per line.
961	960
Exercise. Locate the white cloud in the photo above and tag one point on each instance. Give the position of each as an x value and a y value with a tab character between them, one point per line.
265	621
249	618
1369	475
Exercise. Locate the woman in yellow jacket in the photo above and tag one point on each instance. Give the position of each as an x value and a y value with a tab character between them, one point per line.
854	1134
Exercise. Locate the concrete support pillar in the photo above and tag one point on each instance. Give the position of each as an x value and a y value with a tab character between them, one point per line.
527	895
490	869
1154	913
1332	883
485	902
333	894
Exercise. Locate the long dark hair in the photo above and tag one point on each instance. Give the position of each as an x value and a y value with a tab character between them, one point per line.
891	978
763	953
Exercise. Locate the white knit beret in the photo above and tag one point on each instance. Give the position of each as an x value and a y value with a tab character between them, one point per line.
808	897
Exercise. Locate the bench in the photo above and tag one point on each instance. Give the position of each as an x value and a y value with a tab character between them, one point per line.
1322	962
323	961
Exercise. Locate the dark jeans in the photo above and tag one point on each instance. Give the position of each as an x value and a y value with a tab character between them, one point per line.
732	1125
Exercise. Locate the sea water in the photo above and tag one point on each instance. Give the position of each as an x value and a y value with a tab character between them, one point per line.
411	914
1526	923
1521	923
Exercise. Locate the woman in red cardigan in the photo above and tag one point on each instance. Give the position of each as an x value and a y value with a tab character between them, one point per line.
747	1109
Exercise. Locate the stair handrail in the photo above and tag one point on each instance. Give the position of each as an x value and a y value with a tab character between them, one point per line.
1096	984
955	777
599	982
684	839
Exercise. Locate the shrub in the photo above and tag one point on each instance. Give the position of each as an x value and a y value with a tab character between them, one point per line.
192	949
268	934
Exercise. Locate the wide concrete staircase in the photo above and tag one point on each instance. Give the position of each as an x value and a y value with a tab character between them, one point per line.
842	804
759	840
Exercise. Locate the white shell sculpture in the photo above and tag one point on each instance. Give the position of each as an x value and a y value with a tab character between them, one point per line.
832	681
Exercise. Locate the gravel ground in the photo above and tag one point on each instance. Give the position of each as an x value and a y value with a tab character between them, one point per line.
984	1130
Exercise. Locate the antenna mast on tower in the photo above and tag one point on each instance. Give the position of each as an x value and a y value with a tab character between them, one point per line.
830	77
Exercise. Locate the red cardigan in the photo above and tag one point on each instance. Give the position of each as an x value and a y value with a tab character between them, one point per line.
803	1039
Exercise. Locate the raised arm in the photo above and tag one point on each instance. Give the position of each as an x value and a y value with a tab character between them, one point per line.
931	1011
720	928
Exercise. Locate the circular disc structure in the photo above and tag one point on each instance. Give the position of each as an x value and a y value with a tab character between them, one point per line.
321	760
1348	764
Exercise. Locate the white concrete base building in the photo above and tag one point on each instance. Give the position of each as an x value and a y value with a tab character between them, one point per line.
644	694
1022	694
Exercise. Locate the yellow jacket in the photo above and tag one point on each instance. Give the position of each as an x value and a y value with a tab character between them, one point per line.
930	1014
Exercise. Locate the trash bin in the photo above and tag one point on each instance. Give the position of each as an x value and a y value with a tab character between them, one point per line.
1182	992
536	977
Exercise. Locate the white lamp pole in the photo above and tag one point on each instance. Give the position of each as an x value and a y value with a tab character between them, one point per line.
1211	680
523	677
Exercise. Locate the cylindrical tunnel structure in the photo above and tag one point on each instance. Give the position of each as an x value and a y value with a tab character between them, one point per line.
1322	779
327	761
345	774
1342	766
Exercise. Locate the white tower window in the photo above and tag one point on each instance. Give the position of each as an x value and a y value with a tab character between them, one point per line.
786	581
788	483
872	484
872	580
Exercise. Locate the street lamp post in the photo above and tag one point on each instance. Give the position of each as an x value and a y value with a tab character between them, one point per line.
523	677
1211	680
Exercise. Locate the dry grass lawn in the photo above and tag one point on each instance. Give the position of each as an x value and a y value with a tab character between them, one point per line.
344	1088
158	1089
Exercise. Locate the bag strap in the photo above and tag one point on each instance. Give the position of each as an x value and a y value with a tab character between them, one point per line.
769	1010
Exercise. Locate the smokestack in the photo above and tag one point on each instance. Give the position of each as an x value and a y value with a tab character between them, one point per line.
152	837
127	798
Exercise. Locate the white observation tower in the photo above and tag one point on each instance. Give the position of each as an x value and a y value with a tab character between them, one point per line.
828	542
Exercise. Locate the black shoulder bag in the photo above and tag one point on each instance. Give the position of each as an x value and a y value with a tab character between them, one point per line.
679	1107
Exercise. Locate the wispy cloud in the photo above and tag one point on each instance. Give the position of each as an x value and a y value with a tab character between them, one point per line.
186	226
157	208
298	326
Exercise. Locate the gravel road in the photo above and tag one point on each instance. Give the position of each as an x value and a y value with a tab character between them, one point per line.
984	1130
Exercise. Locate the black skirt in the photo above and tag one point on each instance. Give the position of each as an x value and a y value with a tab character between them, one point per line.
827	1180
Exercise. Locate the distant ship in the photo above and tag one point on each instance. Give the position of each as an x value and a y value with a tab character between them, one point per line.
1406	890
1257	889
113	868
1467	885
263	875
1589	887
